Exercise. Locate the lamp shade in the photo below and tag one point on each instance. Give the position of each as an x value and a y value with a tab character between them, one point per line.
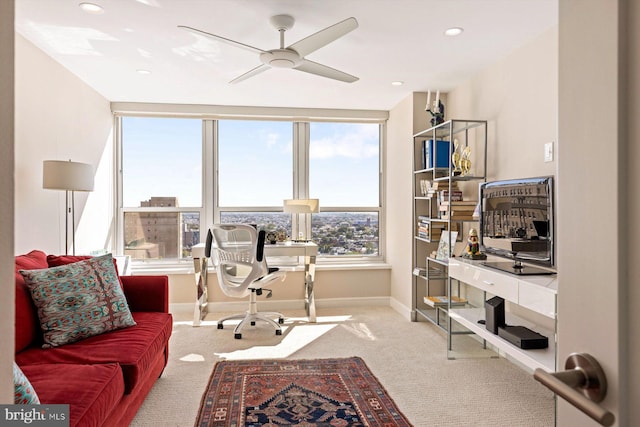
70	176
302	206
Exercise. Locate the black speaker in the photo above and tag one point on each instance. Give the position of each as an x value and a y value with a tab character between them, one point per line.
494	310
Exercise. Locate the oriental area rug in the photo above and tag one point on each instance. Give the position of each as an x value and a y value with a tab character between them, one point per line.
310	393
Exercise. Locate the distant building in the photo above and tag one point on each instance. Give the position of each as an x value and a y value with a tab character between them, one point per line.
153	234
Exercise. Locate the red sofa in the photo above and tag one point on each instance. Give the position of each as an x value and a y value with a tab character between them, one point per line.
104	378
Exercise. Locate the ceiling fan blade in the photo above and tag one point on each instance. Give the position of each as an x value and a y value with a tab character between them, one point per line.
324	37
324	71
222	39
259	69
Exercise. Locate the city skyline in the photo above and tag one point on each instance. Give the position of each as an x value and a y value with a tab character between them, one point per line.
166	234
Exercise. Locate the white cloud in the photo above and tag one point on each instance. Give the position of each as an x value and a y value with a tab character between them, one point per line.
362	143
272	139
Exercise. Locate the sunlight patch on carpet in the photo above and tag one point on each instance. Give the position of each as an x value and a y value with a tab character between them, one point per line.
193	358
361	330
287	320
293	340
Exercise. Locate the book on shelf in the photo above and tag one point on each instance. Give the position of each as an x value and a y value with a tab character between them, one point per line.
419	271
436	187
458	209
444	196
460	203
430	224
444	185
433	300
458	217
462	211
430	229
425	185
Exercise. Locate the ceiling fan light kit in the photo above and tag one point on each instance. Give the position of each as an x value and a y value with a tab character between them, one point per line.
292	56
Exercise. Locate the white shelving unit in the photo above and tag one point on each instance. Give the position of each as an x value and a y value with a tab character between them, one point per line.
433	149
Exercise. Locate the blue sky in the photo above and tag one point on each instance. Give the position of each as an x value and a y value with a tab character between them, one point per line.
163	157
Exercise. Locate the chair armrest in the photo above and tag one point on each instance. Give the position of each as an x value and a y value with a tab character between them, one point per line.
146	293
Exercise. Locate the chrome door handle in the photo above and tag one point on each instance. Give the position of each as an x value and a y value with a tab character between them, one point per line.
583	384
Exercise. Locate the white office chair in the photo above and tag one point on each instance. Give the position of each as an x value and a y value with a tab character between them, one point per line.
242	271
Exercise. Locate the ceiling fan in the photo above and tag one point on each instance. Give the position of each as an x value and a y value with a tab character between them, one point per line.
292	56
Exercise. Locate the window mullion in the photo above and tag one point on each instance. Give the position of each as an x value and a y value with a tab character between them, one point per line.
209	182
301	223
118	239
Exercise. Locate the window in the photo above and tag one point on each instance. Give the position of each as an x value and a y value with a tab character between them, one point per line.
255	165
161	186
344	173
180	174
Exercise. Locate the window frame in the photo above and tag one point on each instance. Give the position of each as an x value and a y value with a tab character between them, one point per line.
210	211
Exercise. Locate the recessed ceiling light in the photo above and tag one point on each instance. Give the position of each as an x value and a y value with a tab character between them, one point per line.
91	8
453	31
397	83
144	72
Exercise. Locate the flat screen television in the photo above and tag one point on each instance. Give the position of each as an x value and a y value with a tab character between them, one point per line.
517	223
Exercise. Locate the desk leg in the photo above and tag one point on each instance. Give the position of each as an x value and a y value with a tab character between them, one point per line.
309	277
200	309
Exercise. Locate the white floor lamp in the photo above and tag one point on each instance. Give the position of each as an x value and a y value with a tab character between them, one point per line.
70	177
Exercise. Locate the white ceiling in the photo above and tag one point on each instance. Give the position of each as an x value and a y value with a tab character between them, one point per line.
396	40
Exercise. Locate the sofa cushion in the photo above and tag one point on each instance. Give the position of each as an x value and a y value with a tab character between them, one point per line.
23	392
34	260
91	391
26	316
78	300
134	348
58	260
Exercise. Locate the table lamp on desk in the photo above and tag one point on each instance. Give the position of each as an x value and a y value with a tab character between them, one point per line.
301	206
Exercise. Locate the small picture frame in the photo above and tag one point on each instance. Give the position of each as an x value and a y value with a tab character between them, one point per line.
443	246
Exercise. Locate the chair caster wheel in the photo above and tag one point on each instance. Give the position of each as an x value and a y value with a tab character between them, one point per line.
279	332
253	323
237	336
281	321
220	326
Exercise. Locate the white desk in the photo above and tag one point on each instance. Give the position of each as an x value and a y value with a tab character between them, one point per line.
307	251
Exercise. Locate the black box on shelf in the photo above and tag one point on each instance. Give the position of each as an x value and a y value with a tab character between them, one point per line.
494	314
523	337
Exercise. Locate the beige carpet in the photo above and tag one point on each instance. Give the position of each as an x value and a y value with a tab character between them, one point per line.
409	359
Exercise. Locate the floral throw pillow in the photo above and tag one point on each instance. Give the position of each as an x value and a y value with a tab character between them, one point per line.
23	392
79	300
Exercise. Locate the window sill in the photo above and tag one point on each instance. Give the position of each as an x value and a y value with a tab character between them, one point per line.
187	268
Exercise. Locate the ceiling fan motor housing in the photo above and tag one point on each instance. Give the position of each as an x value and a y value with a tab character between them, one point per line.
281	58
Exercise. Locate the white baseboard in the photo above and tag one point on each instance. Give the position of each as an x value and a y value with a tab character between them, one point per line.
405	311
278	305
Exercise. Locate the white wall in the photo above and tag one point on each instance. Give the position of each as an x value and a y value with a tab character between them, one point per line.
518	97
6	196
58	117
372	284
405	119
